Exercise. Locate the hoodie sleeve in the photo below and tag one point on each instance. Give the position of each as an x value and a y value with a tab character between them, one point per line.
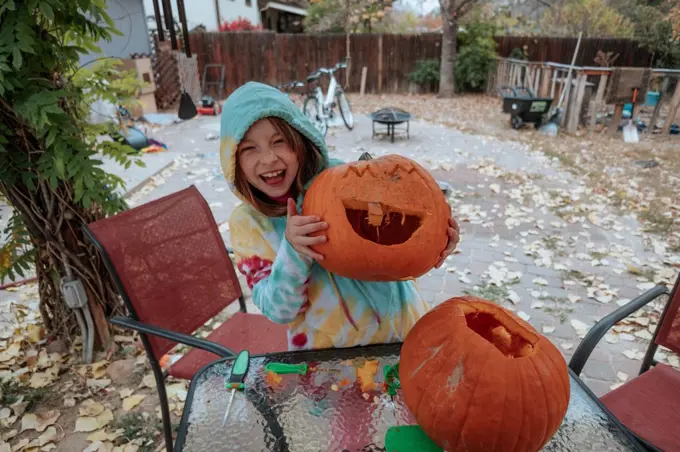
278	279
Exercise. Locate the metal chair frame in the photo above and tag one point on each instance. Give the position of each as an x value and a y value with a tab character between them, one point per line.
597	332
133	322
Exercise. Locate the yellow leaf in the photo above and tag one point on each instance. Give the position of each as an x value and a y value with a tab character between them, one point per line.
34	334
90	408
102	435
89	424
47	437
177	391
97	384
132	401
39	421
11	353
99	368
125	393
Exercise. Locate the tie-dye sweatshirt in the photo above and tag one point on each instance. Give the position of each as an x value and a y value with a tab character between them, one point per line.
321	310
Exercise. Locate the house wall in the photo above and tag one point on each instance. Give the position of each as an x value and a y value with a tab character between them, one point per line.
130	20
202	12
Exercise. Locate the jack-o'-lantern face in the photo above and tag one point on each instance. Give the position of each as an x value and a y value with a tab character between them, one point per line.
387	218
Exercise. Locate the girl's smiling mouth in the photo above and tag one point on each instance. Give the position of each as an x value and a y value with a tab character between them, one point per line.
273	178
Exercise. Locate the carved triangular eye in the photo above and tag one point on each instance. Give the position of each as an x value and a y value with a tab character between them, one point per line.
365	156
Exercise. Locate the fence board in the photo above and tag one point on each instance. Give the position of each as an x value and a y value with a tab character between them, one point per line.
279	58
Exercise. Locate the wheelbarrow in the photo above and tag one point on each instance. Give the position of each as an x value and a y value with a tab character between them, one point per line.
524	106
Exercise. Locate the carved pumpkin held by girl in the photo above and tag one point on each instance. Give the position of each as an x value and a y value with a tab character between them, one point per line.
270	154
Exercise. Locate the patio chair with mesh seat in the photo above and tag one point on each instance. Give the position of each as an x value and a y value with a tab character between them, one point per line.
649	404
174	274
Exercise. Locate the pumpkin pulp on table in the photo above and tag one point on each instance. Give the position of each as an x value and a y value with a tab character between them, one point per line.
478	378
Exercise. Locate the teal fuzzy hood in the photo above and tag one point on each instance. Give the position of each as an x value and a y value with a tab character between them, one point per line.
247	105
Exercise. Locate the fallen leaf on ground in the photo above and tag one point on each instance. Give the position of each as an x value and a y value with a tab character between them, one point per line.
99	368
102	435
630	354
567	345
132	401
148	381
177	391
547	329
97	384
366	374
622	376
49	436
524	316
125	393
10	434
40	421
90	408
5	413
89	424
612	338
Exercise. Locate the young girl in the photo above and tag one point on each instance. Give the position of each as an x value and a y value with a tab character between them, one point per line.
270	152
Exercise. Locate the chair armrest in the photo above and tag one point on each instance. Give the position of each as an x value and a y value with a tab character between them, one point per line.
212	347
595	334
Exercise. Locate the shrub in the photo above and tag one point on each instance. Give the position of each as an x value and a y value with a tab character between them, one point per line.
426	73
477	56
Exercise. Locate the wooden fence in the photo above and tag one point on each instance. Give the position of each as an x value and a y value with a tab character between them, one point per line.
279	58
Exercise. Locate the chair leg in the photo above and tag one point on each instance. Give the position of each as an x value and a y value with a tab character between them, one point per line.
163	398
242	303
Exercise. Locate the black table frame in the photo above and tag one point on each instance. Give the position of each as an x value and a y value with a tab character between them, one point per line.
184	422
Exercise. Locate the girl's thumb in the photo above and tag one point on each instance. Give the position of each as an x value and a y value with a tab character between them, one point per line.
292	209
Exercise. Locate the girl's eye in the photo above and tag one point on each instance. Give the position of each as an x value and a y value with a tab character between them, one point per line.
249	148
279	141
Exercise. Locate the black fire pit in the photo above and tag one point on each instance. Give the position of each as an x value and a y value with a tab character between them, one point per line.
390	117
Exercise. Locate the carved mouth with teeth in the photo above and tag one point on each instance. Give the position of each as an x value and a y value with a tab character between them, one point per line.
381	223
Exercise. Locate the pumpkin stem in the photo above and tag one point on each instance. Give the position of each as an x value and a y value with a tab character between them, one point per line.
365	156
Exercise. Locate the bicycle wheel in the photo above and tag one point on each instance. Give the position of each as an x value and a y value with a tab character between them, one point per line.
345	110
312	110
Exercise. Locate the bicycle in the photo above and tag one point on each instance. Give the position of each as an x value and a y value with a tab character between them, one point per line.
319	108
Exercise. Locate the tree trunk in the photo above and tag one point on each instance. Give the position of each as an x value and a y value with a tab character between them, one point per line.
54	223
447	85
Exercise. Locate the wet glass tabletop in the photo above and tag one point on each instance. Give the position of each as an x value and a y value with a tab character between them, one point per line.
328	410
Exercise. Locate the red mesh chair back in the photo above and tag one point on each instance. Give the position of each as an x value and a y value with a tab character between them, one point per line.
669	332
171	263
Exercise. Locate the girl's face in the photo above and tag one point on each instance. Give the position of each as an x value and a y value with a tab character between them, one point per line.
267	160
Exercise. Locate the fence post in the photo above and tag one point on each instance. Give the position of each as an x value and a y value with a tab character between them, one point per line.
577	105
380	62
598	102
546	76
675	105
657	108
364	73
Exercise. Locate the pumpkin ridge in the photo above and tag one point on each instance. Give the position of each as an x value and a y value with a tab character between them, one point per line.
518	438
558	393
472	398
505	402
547	418
431	382
566	384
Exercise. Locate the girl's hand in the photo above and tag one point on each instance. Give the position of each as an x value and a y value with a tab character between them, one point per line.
297	228
454	238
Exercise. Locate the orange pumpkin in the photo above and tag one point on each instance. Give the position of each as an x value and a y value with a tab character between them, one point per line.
478	378
387	218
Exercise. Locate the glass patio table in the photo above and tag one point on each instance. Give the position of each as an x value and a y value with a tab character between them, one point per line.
327	410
